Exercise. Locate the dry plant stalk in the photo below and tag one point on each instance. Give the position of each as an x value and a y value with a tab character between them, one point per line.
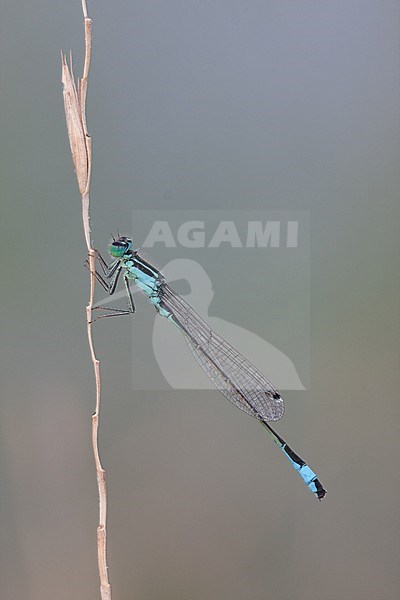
80	142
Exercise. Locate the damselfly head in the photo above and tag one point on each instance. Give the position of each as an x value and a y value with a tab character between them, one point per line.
120	246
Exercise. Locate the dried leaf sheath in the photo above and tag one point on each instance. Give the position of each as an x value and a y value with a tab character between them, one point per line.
79	140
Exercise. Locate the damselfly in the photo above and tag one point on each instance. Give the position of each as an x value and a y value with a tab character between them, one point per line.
229	371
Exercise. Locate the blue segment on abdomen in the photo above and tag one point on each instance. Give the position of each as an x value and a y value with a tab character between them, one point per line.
304	471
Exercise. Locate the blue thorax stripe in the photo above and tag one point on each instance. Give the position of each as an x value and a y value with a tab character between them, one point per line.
146	267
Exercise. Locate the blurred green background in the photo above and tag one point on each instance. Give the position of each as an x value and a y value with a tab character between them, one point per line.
281	105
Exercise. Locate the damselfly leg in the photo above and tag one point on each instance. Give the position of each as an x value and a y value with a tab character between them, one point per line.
109	283
108	270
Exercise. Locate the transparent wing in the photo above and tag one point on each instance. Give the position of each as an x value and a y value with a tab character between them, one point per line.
228	370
